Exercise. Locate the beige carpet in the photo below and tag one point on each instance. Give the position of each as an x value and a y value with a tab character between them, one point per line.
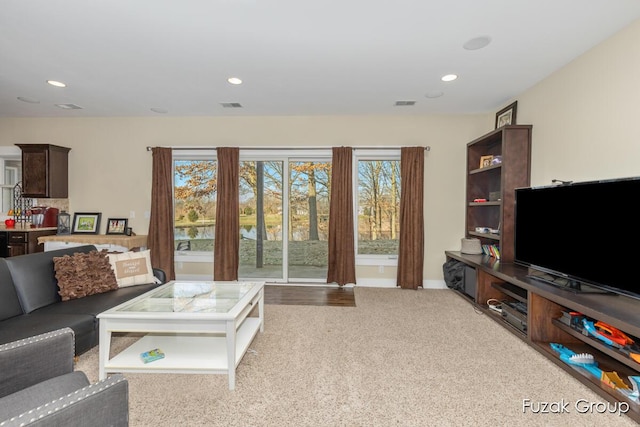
400	358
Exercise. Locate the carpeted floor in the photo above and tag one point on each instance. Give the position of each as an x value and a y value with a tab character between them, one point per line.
399	358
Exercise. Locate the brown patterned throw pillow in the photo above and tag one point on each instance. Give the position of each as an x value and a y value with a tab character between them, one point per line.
84	274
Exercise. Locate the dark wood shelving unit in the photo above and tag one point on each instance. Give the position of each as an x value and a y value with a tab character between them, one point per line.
505	281
545	305
513	144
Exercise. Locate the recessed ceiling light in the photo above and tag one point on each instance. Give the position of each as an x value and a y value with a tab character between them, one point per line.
29	100
159	110
434	94
477	43
449	78
234	81
56	83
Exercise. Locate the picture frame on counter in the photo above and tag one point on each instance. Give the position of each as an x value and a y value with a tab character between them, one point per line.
117	226
86	222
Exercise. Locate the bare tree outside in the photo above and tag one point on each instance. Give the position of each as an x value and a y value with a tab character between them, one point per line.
379	206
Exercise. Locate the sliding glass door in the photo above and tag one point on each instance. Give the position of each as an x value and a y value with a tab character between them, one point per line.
308	218
284	217
261	220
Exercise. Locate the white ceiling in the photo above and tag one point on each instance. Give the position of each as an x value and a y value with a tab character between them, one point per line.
296	57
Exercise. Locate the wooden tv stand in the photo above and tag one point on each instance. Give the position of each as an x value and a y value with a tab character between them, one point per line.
545	304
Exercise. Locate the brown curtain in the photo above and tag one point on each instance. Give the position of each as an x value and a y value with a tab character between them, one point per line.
411	246
342	260
160	240
226	247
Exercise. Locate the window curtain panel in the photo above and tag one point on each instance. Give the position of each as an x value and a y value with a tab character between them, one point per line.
226	256
160	239
342	260
411	245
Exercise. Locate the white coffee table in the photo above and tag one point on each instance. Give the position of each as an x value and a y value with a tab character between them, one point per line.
202	327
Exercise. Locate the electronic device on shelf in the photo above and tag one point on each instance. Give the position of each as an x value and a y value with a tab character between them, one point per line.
515	313
580	235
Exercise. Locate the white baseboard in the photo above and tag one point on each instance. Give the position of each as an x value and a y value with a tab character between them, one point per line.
434	284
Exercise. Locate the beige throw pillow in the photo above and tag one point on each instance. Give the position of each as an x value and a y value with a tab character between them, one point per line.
132	268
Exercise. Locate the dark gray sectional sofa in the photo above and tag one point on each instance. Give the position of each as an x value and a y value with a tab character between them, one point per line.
30	304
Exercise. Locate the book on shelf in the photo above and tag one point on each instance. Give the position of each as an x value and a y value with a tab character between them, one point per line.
491	250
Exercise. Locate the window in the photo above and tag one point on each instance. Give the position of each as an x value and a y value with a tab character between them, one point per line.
195	185
378	203
291	212
12	170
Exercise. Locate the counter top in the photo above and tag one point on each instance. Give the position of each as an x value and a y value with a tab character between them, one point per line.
128	242
27	228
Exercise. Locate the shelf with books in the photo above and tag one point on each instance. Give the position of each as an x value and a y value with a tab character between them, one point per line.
512	144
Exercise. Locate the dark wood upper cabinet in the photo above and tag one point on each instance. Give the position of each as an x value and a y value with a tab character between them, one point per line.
45	170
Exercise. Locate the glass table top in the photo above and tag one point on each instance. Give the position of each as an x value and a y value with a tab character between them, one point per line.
191	297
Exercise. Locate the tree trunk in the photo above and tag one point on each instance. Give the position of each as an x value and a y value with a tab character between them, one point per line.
259	213
313	207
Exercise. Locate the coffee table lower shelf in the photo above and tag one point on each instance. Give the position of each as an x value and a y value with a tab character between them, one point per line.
185	353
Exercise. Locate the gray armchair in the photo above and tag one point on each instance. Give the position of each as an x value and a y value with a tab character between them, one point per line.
39	387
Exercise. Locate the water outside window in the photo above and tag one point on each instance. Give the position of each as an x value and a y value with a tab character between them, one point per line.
195	185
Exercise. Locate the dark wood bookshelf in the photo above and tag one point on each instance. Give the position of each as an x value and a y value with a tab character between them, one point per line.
513	144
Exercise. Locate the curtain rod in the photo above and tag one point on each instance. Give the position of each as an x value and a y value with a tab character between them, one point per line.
426	148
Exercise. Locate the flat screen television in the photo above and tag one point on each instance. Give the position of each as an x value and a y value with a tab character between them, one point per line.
581	235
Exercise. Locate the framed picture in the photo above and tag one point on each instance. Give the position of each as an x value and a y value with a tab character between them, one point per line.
485	161
507	116
117	226
86	223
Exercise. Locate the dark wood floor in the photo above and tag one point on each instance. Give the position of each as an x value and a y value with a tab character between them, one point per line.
309	295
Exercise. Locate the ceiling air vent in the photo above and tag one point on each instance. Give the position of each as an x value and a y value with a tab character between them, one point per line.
231	105
69	106
405	103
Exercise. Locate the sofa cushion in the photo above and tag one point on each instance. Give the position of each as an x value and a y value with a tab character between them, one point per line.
34	276
133	268
39	322
96	304
9	302
83	274
41	393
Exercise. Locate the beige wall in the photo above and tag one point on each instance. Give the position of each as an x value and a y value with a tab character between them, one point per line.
110	169
584	115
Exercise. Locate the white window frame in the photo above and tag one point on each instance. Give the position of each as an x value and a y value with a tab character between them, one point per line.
369	154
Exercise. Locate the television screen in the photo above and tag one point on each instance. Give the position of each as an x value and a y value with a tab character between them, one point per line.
583	231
